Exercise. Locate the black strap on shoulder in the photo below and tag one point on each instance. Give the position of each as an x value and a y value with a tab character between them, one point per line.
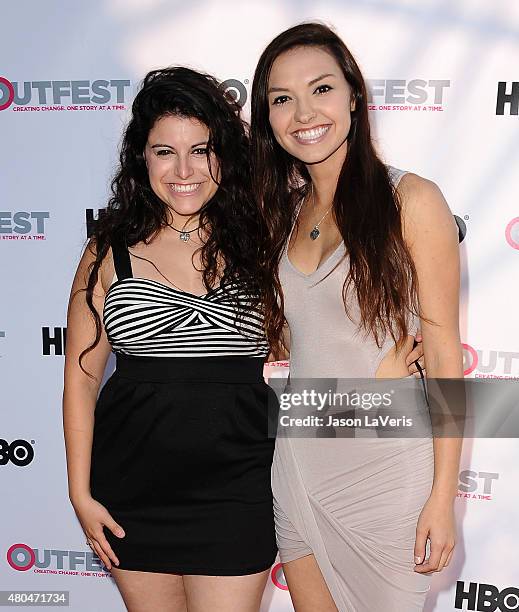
122	263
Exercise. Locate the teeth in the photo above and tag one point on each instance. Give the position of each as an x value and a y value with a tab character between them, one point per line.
184	188
311	134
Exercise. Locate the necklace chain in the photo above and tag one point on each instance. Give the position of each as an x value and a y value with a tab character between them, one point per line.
183	231
184	235
316	232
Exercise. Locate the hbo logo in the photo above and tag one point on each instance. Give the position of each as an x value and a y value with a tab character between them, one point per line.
236	90
486	597
19	452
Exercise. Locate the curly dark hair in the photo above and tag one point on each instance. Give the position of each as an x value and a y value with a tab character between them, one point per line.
135	213
366	206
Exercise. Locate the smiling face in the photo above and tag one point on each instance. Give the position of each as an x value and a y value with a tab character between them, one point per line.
310	104
176	157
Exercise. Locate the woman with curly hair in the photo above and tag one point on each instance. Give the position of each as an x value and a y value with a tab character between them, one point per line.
169	468
360	254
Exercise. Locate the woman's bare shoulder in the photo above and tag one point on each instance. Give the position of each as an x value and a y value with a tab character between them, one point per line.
426	215
413	187
424	207
87	261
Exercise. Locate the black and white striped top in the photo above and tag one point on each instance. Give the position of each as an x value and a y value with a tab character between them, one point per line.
146	318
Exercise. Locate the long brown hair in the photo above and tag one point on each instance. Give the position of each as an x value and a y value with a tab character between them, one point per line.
366	206
135	213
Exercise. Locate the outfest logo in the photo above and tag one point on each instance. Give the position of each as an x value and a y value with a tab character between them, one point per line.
490	363
278	577
407	95
474	485
84	95
23	225
23	558
512	233
383	94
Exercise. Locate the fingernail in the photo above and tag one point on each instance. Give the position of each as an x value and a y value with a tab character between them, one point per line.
418	560
120	532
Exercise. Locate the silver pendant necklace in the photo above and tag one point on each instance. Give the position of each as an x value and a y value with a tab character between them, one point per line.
183	234
315	233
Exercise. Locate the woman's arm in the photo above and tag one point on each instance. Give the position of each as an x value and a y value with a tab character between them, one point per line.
432	237
80	391
79	401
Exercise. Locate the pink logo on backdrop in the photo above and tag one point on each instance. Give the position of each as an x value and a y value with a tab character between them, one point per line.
21	557
512	233
278	577
490	363
10	93
470	359
69	95
477	485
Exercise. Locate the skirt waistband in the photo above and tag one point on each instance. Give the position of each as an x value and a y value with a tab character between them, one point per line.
237	370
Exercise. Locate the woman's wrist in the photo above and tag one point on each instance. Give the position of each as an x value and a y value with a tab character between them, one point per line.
77	496
444	493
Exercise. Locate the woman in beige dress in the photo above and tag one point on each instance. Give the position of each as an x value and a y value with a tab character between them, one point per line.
362	254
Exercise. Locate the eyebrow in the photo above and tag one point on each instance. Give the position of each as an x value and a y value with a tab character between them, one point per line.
312	82
170	147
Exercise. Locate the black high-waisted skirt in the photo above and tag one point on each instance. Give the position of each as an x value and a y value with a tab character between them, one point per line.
181	459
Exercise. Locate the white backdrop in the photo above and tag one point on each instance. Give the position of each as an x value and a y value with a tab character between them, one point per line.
437	109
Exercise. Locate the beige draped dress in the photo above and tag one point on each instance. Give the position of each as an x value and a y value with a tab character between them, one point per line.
353	502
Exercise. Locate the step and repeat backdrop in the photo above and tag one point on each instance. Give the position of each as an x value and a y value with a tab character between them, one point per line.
444	101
